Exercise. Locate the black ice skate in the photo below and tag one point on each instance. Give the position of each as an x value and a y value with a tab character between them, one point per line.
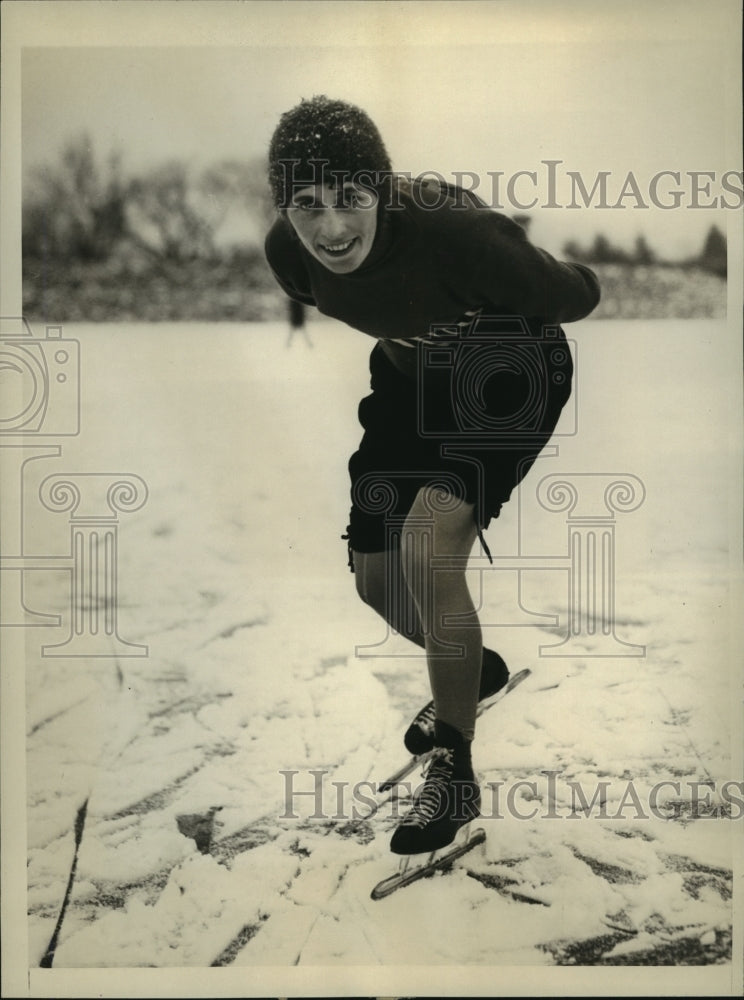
449	799
419	737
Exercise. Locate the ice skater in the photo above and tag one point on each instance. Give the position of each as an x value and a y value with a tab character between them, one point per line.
296	317
469	374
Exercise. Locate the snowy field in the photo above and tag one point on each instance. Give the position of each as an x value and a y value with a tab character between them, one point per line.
162	781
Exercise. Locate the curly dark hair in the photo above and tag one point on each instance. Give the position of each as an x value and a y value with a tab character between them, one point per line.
320	129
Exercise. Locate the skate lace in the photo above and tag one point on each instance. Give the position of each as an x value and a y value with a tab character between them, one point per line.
426	718
428	803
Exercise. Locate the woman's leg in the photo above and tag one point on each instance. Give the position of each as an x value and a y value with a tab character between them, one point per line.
381	584
438	536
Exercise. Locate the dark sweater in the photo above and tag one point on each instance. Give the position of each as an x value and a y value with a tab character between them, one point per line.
431	267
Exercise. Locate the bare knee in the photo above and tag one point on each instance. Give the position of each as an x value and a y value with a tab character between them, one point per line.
437	538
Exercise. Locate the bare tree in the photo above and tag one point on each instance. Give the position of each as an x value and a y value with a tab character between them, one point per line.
163	215
237	183
74	207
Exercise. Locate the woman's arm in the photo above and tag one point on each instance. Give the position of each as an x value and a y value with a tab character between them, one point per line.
497	263
514	274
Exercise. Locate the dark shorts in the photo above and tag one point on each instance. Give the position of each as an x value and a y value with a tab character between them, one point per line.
469	423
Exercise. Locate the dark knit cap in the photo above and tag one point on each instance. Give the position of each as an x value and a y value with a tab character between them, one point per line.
323	137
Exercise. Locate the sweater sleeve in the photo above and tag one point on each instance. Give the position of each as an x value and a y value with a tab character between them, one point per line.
286	264
512	273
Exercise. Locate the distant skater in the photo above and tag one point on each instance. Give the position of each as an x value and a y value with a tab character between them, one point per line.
296	313
469	374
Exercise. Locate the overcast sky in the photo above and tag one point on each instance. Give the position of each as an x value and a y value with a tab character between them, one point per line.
493	86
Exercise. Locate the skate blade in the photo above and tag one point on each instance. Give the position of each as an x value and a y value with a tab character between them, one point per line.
412	868
410	862
514	681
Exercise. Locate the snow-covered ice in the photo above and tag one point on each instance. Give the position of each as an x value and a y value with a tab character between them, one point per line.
266	677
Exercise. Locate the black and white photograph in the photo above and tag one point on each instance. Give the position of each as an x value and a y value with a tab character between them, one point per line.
371	524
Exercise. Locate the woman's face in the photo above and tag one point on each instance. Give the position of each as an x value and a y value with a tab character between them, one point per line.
336	225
